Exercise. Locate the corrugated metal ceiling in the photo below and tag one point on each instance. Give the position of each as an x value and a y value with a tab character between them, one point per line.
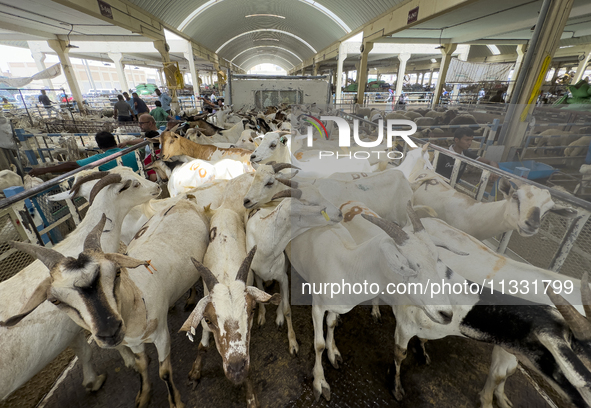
309	22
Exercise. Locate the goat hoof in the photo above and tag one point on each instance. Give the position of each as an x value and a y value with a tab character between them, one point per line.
97	384
262	319
398	394
279	321
321	388
503	401
427	359
294	348
142	400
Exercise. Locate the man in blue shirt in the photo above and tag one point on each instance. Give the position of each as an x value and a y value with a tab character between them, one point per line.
106	142
131	104
164	100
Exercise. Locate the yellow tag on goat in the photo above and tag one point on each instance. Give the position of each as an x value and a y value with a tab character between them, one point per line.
325	215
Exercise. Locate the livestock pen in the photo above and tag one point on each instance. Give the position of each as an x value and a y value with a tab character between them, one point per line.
283	381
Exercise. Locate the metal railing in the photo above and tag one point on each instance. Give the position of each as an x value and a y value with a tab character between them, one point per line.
561	245
30	216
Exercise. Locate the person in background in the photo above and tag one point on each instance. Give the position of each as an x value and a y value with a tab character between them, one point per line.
160	115
139	104
6	104
148	126
131	105
462	141
481	94
107	143
498	98
165	100
47	104
207	104
122	110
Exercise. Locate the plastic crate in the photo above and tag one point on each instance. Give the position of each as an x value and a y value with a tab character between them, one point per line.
537	170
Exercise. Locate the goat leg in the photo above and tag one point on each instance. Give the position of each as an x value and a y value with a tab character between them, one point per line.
427	358
90	380
191	300
502	366
375	310
195	373
141	366
251	398
334	356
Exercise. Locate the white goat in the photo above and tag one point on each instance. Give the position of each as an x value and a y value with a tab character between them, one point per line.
271	228
128	308
227	308
274	147
388	191
24	351
522	210
324	256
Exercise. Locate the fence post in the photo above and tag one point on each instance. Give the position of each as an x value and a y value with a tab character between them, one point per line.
568	241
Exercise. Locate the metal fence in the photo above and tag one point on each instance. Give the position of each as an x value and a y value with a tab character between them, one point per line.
30	217
561	245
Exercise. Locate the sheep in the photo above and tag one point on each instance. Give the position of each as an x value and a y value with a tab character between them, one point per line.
412	115
549	138
174	145
24	351
361	111
428	121
391	255
395	115
578	147
110	307
271	228
9	178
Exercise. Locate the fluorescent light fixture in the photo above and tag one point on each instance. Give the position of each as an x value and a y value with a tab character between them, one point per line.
494	49
567	46
264	15
266	39
433	60
260	30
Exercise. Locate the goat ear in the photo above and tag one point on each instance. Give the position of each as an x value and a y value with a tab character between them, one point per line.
195	317
39	296
506	187
263	297
126	261
564	211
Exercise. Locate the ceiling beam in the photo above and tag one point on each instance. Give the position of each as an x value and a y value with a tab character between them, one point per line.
17	28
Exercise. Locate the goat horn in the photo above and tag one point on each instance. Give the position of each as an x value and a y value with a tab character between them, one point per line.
417	225
391	228
287	182
245	267
49	257
89	177
93	240
208	277
277	167
112	178
577	323
292	192
586	295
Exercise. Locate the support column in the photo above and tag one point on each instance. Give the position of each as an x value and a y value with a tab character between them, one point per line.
162	47
315	69
582	66
59	47
545	39
161	76
39	57
462	56
189	56
521	49
116	57
340	62
362	72
403	58
446	53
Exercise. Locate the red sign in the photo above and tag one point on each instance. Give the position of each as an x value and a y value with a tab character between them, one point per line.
413	15
105	9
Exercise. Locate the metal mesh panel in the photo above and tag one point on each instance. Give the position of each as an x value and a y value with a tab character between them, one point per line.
11	260
53	211
579	257
77	126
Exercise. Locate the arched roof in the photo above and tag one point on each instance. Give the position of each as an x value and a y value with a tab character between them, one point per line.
303	27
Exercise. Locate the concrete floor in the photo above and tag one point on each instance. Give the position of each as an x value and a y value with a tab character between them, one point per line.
454	378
